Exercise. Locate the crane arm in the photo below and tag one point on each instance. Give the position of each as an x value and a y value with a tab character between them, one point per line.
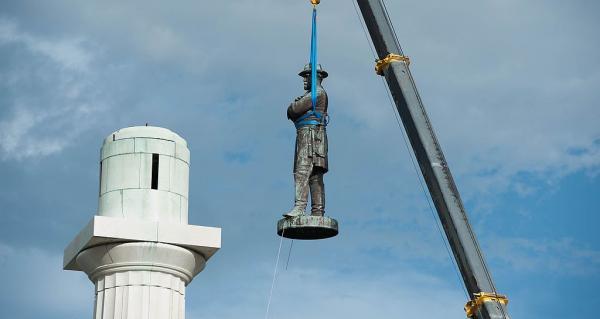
485	303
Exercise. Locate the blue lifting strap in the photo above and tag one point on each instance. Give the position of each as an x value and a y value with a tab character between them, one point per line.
303	120
313	60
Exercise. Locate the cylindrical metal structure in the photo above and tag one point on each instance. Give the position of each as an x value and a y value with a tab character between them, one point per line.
431	160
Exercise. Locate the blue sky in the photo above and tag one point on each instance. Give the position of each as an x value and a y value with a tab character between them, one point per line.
511	88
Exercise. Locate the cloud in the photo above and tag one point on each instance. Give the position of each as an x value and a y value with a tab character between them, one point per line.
509	115
499	105
68	53
50	95
24	134
564	256
315	292
497	115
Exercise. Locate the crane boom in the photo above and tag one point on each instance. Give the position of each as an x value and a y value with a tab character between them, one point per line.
485	302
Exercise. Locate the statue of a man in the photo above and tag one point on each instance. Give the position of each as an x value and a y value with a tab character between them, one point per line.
310	159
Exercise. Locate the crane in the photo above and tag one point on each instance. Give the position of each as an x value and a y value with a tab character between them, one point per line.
485	302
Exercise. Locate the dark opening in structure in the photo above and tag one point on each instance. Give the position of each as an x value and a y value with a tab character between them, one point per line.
100	183
154	182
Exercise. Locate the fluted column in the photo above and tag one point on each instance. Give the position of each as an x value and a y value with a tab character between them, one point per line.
140	280
139	294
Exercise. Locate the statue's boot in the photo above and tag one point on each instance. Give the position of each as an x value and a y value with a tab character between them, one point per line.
317	195
301	196
296	211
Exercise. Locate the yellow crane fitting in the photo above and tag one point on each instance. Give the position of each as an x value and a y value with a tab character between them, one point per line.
315	2
380	65
472	306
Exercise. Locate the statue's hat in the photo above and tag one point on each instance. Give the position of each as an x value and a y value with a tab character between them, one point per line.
320	72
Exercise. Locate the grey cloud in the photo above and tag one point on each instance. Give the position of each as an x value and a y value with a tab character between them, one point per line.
564	255
68	53
312	292
49	93
221	73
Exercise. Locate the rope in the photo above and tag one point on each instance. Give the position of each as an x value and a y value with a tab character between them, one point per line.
360	21
274	275
289	254
385	10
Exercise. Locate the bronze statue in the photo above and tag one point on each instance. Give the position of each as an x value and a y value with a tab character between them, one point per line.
310	159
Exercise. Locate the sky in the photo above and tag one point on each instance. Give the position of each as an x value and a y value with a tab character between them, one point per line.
511	88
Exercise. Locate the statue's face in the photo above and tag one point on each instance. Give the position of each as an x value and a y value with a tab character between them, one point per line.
306	81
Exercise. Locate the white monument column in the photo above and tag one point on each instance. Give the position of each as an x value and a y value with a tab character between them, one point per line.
138	249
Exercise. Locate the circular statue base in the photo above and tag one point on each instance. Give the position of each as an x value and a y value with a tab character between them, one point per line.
307	227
